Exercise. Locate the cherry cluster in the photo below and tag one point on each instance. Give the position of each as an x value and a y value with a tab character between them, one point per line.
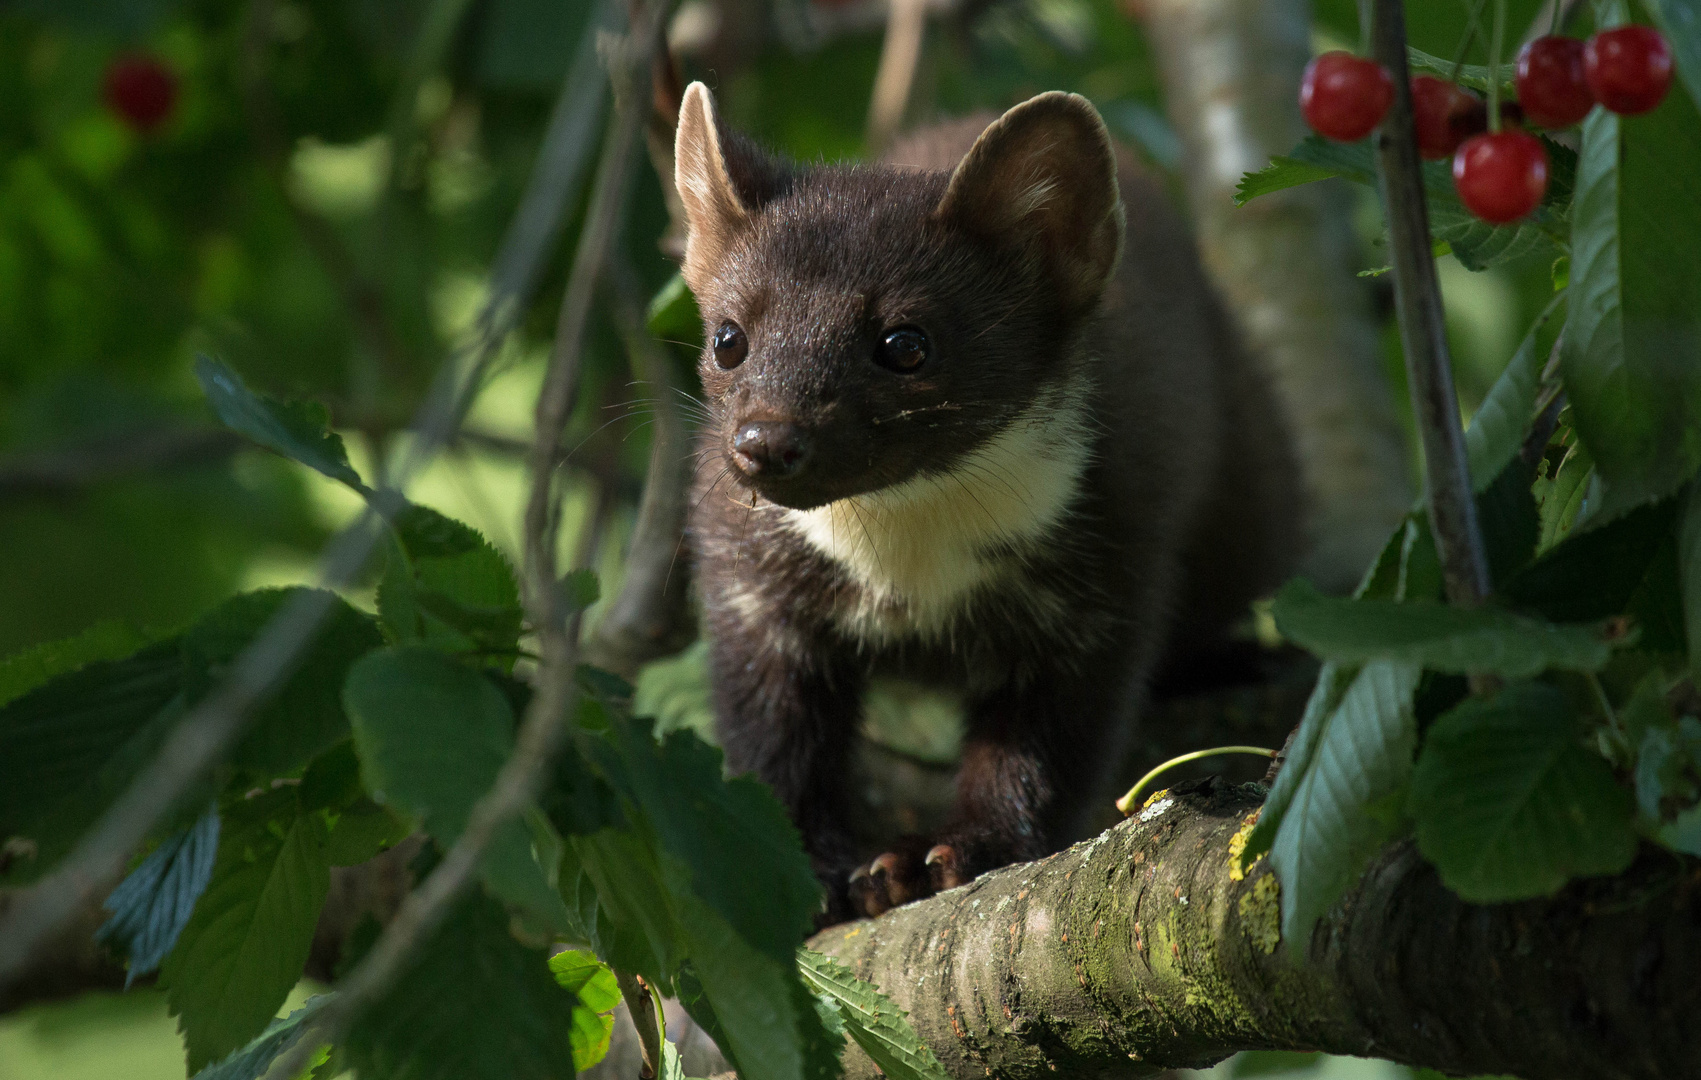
1500	174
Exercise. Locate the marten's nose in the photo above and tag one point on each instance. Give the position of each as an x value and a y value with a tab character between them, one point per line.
772	449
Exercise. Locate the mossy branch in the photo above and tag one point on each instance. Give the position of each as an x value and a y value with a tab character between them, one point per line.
1141	951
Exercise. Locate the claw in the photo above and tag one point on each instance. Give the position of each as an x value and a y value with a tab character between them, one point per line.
942	861
858	874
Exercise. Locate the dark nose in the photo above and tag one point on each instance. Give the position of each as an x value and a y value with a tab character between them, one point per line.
770	448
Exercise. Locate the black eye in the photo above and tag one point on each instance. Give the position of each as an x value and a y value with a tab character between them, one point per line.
730	344
903	349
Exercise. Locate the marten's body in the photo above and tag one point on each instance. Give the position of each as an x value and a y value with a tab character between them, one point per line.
956	438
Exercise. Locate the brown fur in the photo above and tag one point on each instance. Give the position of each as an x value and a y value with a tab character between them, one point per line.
1086	471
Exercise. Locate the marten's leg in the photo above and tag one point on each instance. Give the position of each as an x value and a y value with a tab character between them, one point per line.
1034	758
788	716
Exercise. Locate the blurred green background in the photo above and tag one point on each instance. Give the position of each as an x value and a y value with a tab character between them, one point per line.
319	208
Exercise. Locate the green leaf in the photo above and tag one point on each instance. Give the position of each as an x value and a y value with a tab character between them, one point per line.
1497	429
878	1026
252	1061
1282	173
1342	803
1594	573
432	736
1475	76
71	746
1509	520
592	982
305	715
1689	573
473	1004
298	430
1509	804
1561	499
741	853
107	640
1461	641
447	586
153	903
581	589
1680	21
633	924
247	942
1632	353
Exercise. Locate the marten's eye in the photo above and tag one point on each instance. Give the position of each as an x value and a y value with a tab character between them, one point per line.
731	346
902	350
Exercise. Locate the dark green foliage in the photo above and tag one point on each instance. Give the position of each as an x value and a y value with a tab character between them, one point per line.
1594	573
23	672
1509	804
305	714
475	1005
298	430
1632	355
870	1018
1437	636
252	1061
246	943
446	586
153	903
69	747
432	735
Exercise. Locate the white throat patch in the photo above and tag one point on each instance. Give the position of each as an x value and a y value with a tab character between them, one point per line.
920	549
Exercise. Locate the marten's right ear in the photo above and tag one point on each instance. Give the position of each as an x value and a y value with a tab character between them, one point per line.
721	183
1043	177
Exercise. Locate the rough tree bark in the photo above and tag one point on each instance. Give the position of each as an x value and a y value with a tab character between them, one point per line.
1231	73
1138	951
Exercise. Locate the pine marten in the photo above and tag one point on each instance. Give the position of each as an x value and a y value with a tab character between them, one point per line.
976	417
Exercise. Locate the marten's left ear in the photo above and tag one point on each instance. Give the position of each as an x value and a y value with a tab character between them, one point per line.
1044	175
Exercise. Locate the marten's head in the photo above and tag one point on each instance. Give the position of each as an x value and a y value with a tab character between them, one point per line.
866	324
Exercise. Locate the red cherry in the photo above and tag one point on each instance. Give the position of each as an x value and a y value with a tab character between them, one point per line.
1551	87
1445	115
1344	97
1628	68
141	90
1501	176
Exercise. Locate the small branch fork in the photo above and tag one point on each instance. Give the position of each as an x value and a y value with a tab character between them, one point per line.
1423	330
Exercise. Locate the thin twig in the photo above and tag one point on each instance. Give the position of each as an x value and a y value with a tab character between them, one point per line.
641	1007
906	22
1423	332
209	729
542	731
650	617
78	467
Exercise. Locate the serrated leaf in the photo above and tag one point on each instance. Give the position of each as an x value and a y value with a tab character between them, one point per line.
447	586
633	925
153	903
247	942
35	666
433	735
1475	76
741	853
1631	359
1562	498
69	747
305	715
252	1061
871	1019
298	430
1282	173
1594	573
1498	426
473	1004
1508	803
1460	641
590	980
1342	805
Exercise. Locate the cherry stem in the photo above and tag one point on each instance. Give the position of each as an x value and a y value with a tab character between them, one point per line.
1423	331
1495	43
1473	26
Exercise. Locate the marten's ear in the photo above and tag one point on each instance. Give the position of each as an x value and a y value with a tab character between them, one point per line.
722	180
1044	175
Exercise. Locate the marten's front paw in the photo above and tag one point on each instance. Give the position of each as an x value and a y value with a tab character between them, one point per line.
912	870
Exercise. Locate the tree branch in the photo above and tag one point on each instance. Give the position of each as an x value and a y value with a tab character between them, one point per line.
1423	328
76	468
1138	951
